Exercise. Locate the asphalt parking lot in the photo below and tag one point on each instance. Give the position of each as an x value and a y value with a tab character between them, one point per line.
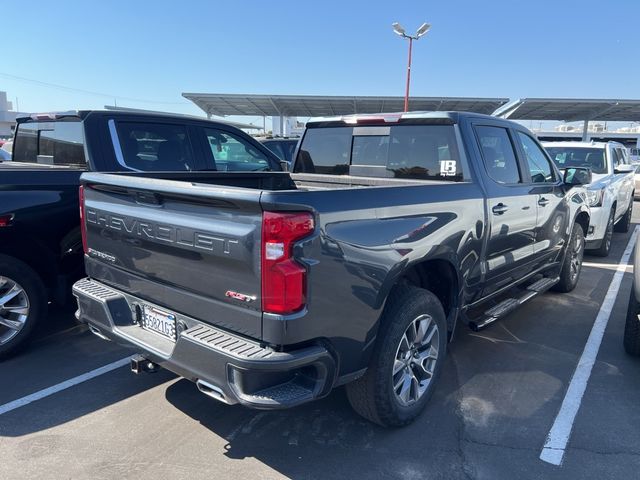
500	393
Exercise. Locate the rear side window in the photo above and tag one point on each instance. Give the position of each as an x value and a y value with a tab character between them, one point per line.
498	154
421	152
155	147
50	143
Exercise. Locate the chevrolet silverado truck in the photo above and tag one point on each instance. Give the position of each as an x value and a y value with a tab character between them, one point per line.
611	193
269	289
40	241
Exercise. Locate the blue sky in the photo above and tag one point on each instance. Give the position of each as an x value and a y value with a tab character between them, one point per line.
151	51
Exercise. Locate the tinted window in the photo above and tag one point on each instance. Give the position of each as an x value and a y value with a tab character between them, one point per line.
282	148
232	153
275	148
51	143
155	146
622	155
539	167
592	158
498	155
403	151
325	150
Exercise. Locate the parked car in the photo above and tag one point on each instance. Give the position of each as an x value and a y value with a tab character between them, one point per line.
283	147
631	339
612	191
636	182
269	289
40	241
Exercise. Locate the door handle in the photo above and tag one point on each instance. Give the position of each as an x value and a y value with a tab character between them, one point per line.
543	202
499	209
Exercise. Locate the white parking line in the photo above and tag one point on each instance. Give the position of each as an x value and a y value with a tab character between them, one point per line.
21	402
554	447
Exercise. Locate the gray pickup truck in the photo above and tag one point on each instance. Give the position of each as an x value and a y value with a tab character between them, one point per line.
271	288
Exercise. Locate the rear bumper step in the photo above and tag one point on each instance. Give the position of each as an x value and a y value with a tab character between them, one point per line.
224	366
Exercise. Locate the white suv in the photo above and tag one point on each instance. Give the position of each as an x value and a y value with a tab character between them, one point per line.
611	191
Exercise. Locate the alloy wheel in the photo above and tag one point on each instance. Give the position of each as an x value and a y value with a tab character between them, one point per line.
14	309
577	252
415	360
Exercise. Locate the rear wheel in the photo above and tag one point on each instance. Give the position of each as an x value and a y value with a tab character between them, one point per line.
631	339
572	265
624	223
605	246
406	362
22	304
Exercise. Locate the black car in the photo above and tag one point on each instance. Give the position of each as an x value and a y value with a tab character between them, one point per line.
283	147
40	242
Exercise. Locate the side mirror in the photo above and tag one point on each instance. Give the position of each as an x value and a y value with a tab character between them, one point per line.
284	165
624	168
577	176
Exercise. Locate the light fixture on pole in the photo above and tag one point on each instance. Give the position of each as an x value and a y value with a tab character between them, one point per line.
399	30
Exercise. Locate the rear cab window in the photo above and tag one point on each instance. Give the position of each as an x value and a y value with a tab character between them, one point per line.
420	152
58	142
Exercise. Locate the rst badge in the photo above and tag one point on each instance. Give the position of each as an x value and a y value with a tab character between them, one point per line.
240	296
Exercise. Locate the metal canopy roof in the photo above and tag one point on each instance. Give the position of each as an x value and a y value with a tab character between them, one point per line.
571	109
322	106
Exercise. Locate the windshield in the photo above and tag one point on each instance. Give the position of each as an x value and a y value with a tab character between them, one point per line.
592	158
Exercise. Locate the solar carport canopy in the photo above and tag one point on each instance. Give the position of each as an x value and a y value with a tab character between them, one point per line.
571	109
322	106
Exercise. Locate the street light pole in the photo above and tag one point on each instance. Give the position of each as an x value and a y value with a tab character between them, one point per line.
406	93
398	29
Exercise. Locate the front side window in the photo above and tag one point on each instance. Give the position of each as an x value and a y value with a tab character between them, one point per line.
155	147
539	167
50	143
231	153
421	152
498	155
615	158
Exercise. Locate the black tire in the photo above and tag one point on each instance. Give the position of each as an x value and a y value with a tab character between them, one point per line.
572	264
605	247
34	290
624	224
631	339
373	396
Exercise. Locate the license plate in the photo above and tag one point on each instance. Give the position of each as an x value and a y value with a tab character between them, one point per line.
158	321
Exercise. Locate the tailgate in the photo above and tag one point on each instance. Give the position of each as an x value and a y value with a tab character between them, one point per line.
188	247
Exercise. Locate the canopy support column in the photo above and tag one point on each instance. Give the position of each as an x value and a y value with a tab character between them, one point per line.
585	130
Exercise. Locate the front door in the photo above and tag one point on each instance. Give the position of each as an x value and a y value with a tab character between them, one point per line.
553	222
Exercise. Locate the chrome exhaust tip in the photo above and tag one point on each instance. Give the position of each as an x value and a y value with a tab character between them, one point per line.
211	391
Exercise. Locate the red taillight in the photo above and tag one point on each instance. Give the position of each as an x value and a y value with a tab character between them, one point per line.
6	220
83	226
283	279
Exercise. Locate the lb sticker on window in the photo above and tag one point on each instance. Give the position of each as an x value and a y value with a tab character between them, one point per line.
448	168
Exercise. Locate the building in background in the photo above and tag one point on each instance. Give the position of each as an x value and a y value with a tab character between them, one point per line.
7	117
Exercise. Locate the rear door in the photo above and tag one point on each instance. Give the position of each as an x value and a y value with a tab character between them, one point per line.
511	208
173	244
553	212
